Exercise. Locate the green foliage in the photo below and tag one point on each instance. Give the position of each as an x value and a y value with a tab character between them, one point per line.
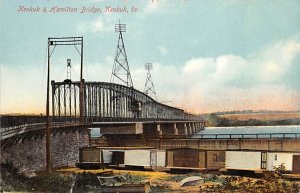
241	185
214	120
212	178
134	178
160	188
50	183
178	178
85	181
281	169
12	181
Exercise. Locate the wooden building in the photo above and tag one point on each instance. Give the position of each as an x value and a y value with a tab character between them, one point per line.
259	161
145	158
98	157
196	159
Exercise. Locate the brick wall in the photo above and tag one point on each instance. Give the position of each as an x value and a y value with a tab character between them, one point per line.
30	154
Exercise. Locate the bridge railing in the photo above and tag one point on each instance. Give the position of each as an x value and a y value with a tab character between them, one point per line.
18	130
123	119
248	136
9	122
14	122
20	120
12	131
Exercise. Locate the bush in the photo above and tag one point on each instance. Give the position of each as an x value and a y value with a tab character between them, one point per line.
281	169
239	184
12	181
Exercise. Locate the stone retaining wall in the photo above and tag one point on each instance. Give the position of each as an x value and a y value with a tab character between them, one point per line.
30	154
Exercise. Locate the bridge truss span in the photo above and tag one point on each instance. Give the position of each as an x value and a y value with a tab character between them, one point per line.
105	101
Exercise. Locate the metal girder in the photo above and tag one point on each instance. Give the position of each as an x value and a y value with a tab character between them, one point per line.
109	101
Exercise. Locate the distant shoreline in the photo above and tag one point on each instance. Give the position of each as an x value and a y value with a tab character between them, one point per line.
253	119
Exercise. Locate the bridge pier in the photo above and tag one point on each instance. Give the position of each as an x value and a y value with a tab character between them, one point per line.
193	127
199	126
117	129
176	131
189	129
169	129
182	129
152	129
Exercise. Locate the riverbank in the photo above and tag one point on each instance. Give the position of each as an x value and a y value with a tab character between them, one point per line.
76	180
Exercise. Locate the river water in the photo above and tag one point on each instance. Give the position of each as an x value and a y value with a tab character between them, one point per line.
249	131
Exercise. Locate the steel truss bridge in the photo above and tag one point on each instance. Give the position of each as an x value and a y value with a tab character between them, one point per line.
105	101
81	104
78	105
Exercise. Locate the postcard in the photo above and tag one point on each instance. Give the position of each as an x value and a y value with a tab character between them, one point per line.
150	95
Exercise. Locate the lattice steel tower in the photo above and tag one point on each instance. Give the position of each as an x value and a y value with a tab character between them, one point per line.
149	86
120	69
69	69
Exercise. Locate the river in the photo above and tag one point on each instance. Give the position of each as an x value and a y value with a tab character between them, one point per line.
249	131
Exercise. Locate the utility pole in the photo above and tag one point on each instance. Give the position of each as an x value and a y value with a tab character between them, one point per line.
48	130
81	93
53	42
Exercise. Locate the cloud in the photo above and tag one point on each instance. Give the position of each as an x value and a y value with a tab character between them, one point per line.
228	82
268	79
95	26
199	65
162	50
278	62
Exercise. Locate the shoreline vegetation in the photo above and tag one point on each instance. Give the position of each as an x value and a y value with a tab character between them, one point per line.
252	118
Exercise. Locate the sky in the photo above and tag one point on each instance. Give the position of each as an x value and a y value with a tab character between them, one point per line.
207	56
